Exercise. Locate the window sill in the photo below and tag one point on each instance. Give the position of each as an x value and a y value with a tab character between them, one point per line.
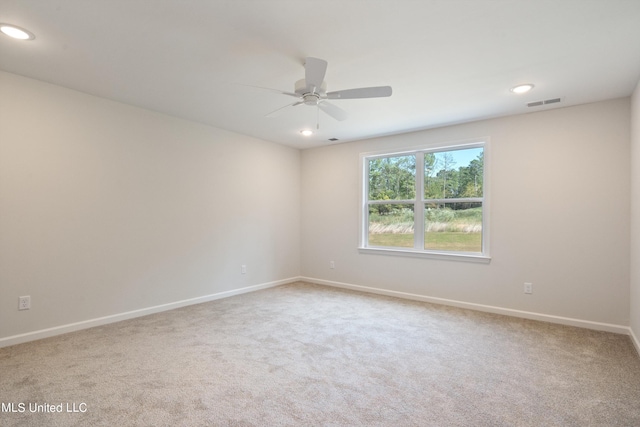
447	256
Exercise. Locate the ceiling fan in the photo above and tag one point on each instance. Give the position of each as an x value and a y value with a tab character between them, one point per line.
312	91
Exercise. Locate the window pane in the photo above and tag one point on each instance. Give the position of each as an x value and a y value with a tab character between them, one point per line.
453	174
391	225
392	178
453	227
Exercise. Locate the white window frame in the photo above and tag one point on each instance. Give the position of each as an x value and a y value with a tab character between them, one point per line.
418	249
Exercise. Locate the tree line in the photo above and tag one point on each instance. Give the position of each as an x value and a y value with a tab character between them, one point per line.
393	178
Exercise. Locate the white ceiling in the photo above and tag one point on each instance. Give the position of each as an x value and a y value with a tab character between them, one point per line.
448	61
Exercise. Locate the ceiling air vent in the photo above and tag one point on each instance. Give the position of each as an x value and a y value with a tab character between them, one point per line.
333	139
545	102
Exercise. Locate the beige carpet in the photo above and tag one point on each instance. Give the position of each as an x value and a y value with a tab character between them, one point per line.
307	355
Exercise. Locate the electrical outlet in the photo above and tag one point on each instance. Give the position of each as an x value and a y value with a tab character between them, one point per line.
332	264
243	269
528	288
24	303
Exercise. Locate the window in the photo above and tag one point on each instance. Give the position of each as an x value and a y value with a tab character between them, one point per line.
427	202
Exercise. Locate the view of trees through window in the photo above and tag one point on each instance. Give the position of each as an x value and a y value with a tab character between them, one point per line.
450	211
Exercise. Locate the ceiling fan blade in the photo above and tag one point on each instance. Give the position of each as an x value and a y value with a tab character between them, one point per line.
335	112
363	92
283	92
314	71
276	113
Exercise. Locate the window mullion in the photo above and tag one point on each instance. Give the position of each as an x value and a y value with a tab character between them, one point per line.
418	207
456	200
391	201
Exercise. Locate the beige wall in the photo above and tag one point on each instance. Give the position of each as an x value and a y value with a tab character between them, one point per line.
559	217
635	216
107	208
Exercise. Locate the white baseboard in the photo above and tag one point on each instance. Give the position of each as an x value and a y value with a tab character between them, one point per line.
72	327
90	323
634	340
619	329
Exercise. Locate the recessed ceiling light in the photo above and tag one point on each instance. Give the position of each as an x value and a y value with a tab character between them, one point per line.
16	32
306	132
522	88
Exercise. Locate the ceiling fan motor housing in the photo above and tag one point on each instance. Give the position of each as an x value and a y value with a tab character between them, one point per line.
302	89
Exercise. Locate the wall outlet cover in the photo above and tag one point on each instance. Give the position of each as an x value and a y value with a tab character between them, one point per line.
24	303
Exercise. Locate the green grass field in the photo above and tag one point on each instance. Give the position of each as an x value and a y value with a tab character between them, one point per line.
446	229
439	241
